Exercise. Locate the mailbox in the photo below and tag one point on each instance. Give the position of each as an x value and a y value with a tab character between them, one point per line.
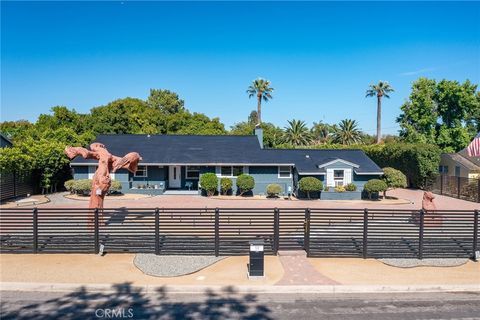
256	265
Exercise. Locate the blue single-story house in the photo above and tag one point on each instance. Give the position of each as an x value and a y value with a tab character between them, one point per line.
175	162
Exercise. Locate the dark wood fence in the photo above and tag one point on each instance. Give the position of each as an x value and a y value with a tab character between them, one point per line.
14	184
457	187
228	231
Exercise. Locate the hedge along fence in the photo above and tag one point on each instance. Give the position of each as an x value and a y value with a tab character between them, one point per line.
84	186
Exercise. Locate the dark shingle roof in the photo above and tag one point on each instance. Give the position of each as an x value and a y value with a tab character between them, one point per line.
225	149
188	149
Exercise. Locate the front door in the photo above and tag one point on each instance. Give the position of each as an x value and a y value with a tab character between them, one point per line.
174	177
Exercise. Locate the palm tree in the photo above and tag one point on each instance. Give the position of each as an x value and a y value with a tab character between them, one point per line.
321	132
262	90
347	132
382	89
297	133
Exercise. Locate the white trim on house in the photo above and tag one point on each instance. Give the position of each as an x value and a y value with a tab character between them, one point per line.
339	160
200	164
289	171
312	173
145	175
368	173
347	176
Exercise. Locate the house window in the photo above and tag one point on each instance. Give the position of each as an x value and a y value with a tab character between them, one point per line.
284	172
229	171
193	172
141	172
338	176
443	169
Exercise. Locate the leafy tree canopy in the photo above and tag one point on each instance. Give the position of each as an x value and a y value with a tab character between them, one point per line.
446	113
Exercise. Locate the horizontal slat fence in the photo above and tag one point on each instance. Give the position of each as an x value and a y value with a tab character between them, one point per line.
228	231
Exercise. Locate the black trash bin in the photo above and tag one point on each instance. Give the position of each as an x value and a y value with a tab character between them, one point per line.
256	265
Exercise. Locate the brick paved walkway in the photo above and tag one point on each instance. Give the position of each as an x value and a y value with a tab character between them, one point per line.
299	271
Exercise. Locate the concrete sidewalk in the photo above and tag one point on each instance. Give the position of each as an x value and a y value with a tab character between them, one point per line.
88	269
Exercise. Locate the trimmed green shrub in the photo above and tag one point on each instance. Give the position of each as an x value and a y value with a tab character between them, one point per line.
394	178
273	190
116	185
326	188
340	189
69	185
375	186
82	186
225	185
310	184
209	183
245	183
351	187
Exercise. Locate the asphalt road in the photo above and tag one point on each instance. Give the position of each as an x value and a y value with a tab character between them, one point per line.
125	304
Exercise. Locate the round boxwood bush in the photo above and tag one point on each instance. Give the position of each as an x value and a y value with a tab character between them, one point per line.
273	190
245	183
351	187
69	185
394	178
375	186
340	189
82	186
209	183
310	184
225	185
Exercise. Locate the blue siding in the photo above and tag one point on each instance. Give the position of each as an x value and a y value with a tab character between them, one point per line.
80	172
267	175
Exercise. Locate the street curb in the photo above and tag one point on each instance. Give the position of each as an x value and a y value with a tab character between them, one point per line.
331	289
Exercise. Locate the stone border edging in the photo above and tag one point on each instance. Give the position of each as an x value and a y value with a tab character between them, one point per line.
332	289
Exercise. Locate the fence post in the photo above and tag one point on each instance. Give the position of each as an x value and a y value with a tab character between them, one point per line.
96	232
217	232
365	233
35	230
306	235
276	231
478	191
475	232
157	231
458	187
441	184
420	234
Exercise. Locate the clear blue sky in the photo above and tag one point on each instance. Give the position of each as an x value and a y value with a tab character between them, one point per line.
320	57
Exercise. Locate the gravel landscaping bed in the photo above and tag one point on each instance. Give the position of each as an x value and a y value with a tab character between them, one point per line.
411	263
172	266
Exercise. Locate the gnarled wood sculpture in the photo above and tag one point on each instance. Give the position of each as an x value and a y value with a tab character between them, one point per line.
431	218
107	163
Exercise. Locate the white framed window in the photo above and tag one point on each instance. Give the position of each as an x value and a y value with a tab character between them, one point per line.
231	171
141	172
338	177
284	172
193	172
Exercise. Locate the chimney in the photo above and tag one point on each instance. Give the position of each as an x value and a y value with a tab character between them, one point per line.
259	134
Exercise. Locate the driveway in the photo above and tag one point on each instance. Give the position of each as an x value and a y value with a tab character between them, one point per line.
413	197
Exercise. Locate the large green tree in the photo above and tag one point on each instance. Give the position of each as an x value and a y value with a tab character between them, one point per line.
261	89
166	101
446	113
379	90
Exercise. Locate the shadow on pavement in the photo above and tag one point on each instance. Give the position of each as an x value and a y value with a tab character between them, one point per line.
127	302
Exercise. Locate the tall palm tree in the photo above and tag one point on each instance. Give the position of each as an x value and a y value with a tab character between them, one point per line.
321	132
347	132
297	133
261	89
381	89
